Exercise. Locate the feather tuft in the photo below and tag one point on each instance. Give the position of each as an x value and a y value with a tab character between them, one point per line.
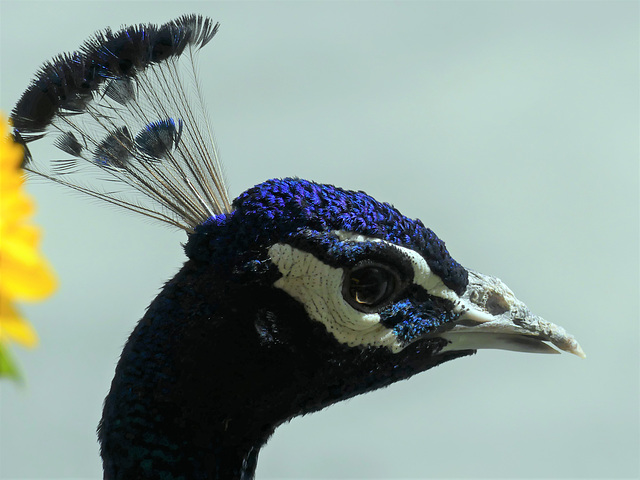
68	143
137	79
159	138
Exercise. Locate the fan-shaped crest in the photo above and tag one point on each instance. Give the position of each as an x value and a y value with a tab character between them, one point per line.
127	111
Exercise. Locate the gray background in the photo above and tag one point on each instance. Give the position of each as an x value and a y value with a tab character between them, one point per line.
510	128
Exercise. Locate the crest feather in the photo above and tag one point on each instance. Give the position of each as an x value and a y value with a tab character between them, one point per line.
126	107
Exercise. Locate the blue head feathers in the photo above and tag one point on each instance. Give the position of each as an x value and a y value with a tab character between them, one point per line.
299	211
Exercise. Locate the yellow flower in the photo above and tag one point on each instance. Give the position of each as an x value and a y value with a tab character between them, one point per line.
24	274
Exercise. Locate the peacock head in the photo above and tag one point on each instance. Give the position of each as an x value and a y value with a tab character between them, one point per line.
374	281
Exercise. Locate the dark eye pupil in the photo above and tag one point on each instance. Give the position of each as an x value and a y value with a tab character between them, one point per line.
369	286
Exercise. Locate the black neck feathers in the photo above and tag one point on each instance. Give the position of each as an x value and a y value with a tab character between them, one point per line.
184	400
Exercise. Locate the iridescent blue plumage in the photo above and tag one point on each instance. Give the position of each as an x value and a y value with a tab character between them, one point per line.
294	296
417	316
282	209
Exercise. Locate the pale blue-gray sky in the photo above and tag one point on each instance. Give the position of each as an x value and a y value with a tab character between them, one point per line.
509	128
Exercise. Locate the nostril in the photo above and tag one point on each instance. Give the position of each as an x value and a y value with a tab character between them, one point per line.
496	304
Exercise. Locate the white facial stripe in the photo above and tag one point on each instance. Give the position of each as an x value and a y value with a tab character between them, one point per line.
425	278
318	287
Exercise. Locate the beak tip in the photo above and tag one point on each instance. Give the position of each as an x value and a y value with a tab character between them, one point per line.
577	350
571	345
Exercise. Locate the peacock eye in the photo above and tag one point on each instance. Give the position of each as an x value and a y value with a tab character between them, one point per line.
369	286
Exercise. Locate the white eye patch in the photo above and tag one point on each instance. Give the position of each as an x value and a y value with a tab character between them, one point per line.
318	287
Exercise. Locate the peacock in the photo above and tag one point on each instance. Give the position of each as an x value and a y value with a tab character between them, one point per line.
294	296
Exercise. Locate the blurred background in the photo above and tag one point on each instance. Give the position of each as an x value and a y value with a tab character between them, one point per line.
509	128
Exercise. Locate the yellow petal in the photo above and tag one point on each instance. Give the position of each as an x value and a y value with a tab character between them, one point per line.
15	206
25	273
11	152
13	327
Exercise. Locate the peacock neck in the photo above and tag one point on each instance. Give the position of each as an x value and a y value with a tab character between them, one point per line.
170	413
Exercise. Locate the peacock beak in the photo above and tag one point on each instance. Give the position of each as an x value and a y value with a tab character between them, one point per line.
494	318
